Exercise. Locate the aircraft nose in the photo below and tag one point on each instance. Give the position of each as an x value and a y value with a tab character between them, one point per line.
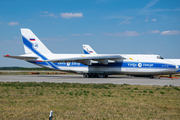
177	67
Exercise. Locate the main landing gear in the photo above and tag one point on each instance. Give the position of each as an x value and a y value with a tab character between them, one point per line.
151	77
94	75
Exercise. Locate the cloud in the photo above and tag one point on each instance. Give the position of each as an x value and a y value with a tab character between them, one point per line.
162	10
151	3
82	34
151	20
8	41
122	17
1	23
127	33
54	39
44	12
52	15
154	19
75	35
153	31
88	34
126	20
173	32
64	15
48	14
55	23
70	15
12	41
13	23
16	37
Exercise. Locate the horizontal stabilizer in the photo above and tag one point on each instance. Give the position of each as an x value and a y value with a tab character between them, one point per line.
22	57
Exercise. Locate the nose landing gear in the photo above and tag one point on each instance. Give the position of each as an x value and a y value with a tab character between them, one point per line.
151	77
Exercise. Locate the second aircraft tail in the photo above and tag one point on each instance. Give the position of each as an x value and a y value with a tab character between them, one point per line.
88	50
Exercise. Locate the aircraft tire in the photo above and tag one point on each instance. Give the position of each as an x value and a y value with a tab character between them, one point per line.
104	75
85	75
99	75
151	76
88	75
170	75
95	75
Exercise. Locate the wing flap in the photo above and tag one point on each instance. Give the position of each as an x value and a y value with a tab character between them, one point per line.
85	59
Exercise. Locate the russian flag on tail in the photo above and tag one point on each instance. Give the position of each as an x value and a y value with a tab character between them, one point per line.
90	51
32	39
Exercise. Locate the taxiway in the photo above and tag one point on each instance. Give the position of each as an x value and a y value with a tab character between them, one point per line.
115	79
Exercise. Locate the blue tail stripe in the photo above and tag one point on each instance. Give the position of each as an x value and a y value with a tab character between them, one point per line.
30	46
85	52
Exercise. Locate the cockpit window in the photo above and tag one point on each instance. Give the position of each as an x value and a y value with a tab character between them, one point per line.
159	57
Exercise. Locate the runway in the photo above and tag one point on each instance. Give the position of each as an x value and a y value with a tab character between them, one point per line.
115	79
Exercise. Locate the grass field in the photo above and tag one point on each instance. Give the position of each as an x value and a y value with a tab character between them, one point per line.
28	72
88	101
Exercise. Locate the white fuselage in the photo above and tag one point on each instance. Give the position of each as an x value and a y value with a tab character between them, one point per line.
131	65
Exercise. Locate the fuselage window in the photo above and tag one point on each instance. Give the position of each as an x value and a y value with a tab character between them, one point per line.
159	57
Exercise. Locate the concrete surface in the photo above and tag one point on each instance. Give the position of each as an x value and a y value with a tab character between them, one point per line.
115	79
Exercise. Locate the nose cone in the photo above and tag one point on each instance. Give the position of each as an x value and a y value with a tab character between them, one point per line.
177	67
174	65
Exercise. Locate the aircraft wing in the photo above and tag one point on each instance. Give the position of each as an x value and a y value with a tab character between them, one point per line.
86	59
22	57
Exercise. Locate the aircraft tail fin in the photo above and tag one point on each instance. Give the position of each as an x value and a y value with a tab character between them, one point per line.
88	50
32	44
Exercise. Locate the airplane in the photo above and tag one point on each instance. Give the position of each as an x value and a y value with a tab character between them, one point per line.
92	64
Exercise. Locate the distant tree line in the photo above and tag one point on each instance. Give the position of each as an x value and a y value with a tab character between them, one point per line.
22	68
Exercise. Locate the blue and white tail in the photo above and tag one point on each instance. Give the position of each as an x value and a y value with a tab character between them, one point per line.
32	44
88	50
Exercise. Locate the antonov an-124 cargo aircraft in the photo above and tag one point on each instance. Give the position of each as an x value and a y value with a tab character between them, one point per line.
92	64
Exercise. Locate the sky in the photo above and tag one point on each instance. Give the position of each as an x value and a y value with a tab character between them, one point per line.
108	26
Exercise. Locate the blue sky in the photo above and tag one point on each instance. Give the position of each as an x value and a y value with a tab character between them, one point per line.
108	26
